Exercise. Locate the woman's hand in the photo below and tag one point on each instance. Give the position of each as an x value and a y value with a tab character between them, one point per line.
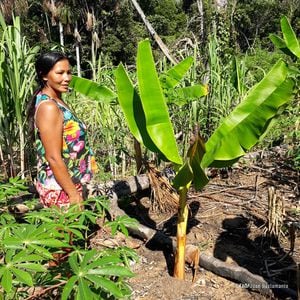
76	199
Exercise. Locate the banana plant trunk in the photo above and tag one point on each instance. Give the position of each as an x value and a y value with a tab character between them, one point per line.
181	234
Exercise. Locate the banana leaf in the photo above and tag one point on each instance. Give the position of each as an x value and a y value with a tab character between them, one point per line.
192	171
182	96
158	122
175	74
131	105
290	37
92	89
249	121
280	44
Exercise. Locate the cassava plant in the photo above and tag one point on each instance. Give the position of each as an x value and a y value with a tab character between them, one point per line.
28	248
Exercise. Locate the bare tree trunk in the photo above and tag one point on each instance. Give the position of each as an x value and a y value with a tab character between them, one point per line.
221	4
201	14
153	33
78	39
61	34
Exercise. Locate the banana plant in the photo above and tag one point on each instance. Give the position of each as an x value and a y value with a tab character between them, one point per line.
146	113
289	44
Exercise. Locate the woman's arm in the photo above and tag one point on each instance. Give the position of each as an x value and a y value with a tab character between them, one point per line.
49	120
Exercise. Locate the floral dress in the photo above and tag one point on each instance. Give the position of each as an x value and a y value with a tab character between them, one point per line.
76	154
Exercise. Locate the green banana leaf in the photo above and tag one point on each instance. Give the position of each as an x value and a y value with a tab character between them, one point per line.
92	90
131	105
158	122
290	37
182	96
280	44
175	74
191	171
193	92
243	128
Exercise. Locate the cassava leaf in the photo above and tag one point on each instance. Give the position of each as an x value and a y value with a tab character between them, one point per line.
68	288
105	284
111	271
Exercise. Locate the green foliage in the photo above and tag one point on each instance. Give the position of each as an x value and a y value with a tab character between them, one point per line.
12	188
145	110
191	170
91	89
289	44
16	85
96	276
143	121
27	247
120	224
19	266
247	124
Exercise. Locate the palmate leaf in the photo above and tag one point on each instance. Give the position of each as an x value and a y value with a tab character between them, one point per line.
105	284
111	271
92	90
84	291
23	276
6	281
244	127
158	122
68	288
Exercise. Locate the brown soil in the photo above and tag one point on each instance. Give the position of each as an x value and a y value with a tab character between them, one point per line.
228	220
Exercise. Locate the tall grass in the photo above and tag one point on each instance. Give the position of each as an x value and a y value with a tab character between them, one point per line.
108	134
16	85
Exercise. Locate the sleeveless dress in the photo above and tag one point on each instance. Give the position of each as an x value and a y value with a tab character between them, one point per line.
76	153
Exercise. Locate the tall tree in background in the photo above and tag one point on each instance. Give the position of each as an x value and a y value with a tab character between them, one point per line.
153	33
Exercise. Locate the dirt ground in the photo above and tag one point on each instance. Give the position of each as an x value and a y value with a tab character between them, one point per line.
228	220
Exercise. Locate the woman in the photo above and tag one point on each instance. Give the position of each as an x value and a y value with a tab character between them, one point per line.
64	160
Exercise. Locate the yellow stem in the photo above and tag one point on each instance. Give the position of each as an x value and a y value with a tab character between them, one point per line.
181	234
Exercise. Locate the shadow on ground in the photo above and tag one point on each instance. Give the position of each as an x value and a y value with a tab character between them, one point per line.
262	256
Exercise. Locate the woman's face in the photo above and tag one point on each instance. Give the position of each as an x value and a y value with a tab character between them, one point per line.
59	77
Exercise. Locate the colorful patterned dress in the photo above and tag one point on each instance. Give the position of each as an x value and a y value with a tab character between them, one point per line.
76	154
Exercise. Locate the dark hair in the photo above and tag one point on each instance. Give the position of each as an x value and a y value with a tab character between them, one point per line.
43	66
45	63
